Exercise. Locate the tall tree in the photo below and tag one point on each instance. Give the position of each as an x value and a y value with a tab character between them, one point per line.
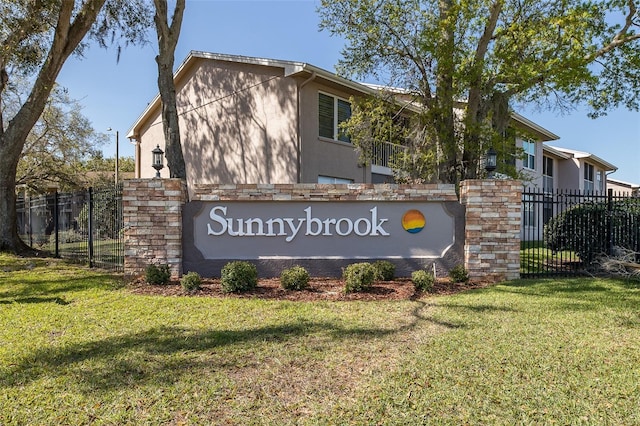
37	37
489	54
168	35
54	152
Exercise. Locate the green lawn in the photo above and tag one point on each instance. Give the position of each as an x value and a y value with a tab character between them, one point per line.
536	258
78	348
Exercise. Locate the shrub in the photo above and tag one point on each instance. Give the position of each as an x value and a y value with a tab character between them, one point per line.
422	280
584	228
294	278
157	274
68	236
358	277
191	282
107	220
385	270
238	276
459	274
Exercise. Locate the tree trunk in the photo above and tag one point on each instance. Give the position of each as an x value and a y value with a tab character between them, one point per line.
167	41
444	120
9	238
66	37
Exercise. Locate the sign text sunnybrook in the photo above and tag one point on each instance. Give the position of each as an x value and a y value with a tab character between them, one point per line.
290	227
322	229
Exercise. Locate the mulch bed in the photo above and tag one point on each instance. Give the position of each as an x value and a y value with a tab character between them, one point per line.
319	289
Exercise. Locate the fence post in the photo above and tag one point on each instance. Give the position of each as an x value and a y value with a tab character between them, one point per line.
609	216
29	228
90	227
56	226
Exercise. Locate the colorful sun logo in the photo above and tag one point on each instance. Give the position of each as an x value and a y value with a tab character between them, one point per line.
413	221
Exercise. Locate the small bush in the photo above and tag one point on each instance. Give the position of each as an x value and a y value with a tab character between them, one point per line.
238	276
191	282
358	277
422	280
157	274
294	278
385	270
68	236
458	274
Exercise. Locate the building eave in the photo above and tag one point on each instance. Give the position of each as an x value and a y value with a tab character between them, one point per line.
557	153
629	185
544	134
605	165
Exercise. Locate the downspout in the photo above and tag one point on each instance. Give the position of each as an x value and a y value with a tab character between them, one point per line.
606	178
299	125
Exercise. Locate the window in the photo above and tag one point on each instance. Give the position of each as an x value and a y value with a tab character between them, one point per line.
547	174
588	177
529	160
599	182
331	112
331	179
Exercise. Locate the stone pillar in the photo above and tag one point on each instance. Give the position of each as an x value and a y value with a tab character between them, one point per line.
492	230
152	215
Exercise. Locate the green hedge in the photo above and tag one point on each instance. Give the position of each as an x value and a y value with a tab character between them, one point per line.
584	228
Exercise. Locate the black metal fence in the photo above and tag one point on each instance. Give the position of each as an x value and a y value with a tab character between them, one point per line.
568	232
85	226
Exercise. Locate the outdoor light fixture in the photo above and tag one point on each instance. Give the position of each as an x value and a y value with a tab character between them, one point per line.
157	160
491	162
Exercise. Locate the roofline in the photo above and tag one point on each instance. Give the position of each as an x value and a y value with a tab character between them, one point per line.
623	183
581	154
292	68
550	136
555	151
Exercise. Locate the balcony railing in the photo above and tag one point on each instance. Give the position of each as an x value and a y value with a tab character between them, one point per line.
385	153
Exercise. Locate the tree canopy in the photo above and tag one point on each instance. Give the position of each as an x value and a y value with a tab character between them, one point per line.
60	141
36	39
483	57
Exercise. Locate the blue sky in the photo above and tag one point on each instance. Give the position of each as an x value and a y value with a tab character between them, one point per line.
115	93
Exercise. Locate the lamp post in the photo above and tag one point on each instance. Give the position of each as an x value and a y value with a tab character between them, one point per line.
117	153
157	160
491	162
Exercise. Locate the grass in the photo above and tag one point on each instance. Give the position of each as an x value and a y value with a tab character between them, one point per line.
535	257
77	348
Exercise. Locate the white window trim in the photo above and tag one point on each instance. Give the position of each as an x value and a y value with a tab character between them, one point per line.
592	181
525	161
336	130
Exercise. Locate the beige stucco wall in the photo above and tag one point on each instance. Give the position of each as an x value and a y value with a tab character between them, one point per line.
322	156
237	124
571	174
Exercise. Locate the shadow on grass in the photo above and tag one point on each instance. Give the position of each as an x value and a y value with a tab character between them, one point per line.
161	356
26	300
478	308
51	286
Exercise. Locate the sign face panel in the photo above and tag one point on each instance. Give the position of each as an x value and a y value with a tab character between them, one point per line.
323	230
